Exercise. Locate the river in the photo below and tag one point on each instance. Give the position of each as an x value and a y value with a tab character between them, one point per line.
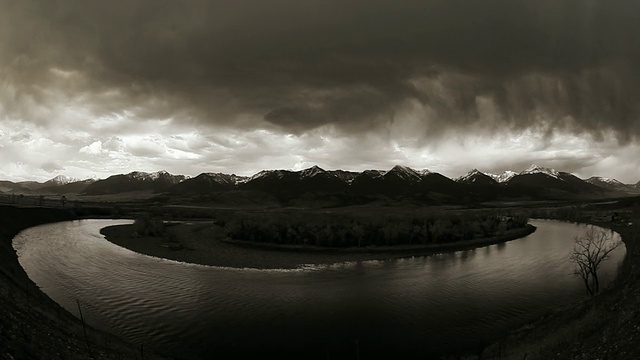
425	305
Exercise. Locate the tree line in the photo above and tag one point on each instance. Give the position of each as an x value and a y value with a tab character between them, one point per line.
337	230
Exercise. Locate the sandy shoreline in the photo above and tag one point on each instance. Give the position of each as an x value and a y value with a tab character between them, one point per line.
207	244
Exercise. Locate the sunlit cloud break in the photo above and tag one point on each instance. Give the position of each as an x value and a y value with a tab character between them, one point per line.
97	88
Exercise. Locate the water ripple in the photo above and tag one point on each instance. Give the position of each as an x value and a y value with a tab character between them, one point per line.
444	301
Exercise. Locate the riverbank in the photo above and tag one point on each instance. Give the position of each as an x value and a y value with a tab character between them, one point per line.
606	326
32	326
207	244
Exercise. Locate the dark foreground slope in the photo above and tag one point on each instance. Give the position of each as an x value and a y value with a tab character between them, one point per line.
604	327
32	326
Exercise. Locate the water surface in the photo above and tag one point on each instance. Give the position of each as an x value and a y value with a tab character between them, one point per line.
413	306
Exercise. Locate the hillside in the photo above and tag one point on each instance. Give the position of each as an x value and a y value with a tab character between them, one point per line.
32	326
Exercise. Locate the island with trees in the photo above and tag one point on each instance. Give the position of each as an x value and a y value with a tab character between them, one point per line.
289	238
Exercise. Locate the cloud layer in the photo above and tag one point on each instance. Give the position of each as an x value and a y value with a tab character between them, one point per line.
224	84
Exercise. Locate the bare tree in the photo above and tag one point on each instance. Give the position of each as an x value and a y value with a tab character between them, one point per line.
589	251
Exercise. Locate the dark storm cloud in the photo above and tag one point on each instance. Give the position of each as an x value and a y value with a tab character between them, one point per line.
298	65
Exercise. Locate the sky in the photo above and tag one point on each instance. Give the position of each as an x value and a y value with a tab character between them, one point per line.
92	88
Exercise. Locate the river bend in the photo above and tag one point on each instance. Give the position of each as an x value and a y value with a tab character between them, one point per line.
420	305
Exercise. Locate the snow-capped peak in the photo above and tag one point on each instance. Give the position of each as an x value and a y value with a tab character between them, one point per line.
162	174
611	181
260	174
504	177
535	169
62	180
239	179
156	175
604	180
311	172
405	172
424	172
278	173
469	175
226	178
374	173
139	175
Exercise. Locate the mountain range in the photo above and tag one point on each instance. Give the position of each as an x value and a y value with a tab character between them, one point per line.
534	182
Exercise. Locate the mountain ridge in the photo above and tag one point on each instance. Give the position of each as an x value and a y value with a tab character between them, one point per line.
534	181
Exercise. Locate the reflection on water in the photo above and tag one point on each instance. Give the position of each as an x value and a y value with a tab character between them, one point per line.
418	305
